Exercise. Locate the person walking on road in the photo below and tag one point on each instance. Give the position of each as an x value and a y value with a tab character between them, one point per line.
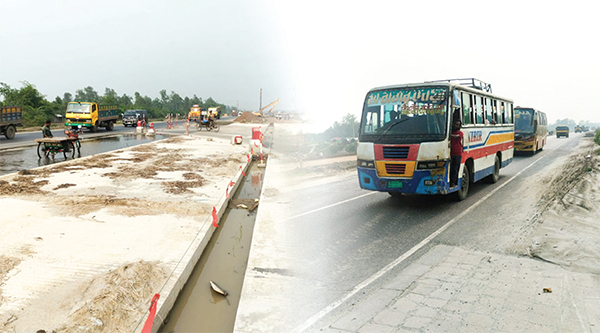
456	149
46	132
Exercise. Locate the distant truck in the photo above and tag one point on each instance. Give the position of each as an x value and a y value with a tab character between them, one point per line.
215	112
130	117
578	129
91	115
562	131
10	118
195	112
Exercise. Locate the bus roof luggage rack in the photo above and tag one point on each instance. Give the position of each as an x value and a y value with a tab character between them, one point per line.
471	82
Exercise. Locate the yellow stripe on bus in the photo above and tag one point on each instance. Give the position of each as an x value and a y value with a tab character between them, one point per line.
500	138
409	169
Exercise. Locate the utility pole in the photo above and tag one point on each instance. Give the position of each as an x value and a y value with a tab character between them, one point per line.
260	105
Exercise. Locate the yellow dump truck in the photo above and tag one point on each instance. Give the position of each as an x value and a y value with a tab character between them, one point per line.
91	115
195	112
215	112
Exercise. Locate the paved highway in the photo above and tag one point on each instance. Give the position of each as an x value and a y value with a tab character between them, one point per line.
338	239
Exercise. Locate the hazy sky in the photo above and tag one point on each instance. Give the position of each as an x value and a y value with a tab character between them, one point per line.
317	56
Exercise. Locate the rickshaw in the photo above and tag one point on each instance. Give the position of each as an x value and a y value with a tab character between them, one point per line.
52	146
207	121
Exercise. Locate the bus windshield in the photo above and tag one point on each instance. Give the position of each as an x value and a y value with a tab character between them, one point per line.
405	114
524	120
78	108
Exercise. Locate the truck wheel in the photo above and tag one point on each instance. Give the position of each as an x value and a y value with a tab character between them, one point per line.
10	132
94	128
110	126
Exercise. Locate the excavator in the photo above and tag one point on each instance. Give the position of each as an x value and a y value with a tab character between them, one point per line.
260	112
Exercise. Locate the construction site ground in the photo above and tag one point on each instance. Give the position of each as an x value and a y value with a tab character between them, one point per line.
87	243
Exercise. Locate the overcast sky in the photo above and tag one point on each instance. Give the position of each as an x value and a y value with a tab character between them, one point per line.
316	56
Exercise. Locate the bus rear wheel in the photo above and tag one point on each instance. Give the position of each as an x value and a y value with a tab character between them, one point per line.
462	192
495	176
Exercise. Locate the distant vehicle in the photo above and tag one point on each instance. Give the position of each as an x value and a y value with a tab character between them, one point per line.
195	112
91	115
279	116
10	118
215	112
130	117
562	131
404	137
578	129
261	112
530	129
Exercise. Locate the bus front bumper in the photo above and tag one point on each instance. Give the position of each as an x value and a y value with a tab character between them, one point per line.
422	182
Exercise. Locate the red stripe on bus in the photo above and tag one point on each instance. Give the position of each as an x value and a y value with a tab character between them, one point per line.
487	151
413	150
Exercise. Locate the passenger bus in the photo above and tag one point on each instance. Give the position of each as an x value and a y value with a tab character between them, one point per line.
404	137
531	129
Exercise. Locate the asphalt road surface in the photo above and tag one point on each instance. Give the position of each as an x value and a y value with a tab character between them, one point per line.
341	237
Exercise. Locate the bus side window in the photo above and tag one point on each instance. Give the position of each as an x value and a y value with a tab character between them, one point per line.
478	110
494	112
466	111
488	110
509	117
472	110
502	113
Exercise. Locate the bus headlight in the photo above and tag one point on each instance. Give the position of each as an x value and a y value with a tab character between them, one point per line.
429	165
365	164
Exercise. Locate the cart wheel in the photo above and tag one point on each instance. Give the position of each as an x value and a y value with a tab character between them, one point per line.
217	127
40	150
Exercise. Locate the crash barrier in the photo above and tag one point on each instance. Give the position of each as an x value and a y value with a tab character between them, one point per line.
151	131
236	140
170	121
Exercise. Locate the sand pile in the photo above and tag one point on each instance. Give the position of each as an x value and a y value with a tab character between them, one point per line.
248	117
566	230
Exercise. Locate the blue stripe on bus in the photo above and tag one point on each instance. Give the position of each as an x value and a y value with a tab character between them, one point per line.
487	138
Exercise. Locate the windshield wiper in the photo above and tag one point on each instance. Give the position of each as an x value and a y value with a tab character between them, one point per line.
390	127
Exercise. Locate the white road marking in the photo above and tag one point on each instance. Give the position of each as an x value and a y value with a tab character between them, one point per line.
319	315
329	206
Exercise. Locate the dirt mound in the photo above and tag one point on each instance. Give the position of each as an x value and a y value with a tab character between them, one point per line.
565	229
248	117
117	300
22	185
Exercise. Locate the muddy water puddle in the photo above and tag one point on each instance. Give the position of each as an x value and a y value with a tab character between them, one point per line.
24	159
198	307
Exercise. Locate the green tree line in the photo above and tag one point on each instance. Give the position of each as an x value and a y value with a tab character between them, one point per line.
37	109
